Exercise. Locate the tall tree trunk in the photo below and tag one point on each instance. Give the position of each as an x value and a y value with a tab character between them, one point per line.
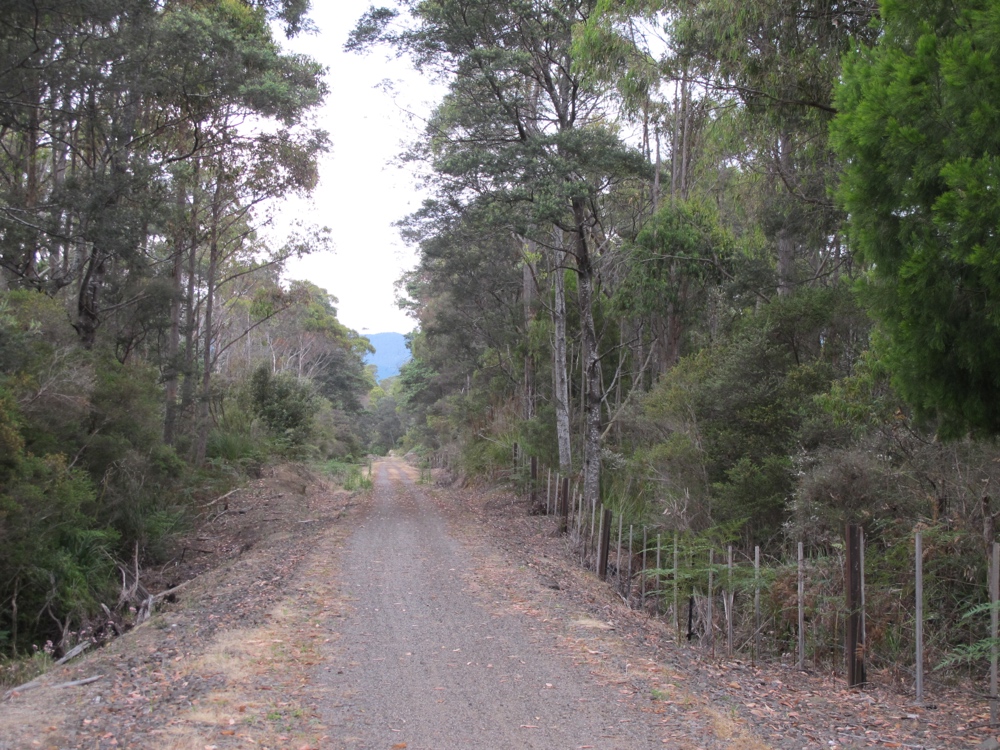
685	137
31	181
592	361
656	173
208	353
58	220
674	148
88	299
786	240
172	374
559	365
190	329
528	297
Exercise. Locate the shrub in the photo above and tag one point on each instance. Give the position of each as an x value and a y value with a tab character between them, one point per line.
285	404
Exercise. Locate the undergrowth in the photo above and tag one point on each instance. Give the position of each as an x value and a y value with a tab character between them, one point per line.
351	476
18	671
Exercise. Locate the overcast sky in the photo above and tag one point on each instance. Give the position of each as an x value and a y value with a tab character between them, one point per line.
361	193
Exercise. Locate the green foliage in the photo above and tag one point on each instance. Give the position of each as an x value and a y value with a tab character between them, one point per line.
112	137
719	432
386	429
537	436
864	399
693	552
234	447
681	247
918	129
488	456
356	479
285	404
56	559
351	476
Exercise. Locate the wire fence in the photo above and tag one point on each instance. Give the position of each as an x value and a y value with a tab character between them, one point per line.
813	608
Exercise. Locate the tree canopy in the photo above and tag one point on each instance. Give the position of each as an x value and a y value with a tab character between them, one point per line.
918	131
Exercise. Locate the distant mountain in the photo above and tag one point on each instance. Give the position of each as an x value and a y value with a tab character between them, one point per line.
390	354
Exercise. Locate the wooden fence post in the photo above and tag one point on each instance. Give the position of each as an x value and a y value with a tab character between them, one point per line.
642	581
677	620
593	528
756	605
602	556
994	617
563	497
730	602
618	563
628	592
711	588
659	567
855	650
918	555
534	483
802	608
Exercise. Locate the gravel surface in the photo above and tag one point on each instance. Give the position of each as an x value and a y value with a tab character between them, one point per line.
424	661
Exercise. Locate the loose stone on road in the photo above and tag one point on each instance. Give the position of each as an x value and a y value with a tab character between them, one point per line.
421	661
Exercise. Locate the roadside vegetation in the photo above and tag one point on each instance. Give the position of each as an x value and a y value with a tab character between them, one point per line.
151	356
728	266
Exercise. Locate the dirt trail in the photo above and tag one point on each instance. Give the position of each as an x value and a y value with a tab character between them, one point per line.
423	660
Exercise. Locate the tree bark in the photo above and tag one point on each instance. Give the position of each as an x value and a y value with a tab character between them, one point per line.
208	354
592	362
191	322
172	374
786	240
528	297
559	364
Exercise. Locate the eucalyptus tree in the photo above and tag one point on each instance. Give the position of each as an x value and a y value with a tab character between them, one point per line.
467	289
99	104
522	126
466	293
767	71
306	340
780	60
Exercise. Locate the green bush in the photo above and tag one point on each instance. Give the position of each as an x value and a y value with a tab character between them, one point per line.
285	404
56	561
233	446
351	476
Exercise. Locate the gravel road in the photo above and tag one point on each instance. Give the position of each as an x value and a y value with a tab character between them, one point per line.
422	661
428	617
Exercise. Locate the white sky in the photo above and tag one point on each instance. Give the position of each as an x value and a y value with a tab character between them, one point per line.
361	193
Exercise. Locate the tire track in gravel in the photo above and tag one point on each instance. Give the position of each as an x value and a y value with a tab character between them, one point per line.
422	663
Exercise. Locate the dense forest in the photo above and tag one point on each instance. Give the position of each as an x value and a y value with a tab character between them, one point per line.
730	264
150	353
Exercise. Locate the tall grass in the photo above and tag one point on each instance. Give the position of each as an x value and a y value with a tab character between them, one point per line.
352	477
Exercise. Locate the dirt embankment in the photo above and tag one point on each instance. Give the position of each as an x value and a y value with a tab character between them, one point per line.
171	681
428	616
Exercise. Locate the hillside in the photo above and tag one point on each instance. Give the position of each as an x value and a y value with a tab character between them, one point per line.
390	354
